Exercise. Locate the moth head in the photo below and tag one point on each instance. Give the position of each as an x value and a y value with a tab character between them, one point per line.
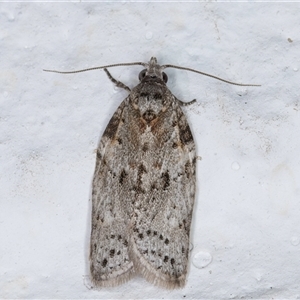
153	72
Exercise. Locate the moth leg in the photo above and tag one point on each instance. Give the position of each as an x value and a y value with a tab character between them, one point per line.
116	82
181	103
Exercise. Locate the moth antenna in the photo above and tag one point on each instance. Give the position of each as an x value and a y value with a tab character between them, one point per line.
96	68
209	75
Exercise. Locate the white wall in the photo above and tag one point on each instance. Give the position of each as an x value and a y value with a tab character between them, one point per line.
247	209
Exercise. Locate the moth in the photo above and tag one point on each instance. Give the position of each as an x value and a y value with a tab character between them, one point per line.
144	185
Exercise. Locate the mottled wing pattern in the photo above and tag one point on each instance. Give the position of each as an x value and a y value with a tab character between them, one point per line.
109	259
143	191
163	200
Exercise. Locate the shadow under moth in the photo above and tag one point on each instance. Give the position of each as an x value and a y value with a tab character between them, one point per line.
144	185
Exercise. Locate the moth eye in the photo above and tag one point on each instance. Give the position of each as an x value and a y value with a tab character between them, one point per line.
165	77
142	74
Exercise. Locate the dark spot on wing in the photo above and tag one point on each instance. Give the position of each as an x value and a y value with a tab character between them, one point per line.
186	135
104	262
145	147
112	253
149	115
99	156
166	180
157	96
122	177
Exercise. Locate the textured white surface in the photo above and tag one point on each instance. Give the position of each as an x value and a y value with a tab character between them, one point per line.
246	217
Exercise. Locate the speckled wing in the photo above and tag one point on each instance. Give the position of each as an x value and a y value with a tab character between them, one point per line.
143	191
110	264
163	199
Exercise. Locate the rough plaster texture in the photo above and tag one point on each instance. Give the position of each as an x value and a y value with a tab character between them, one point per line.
247	212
